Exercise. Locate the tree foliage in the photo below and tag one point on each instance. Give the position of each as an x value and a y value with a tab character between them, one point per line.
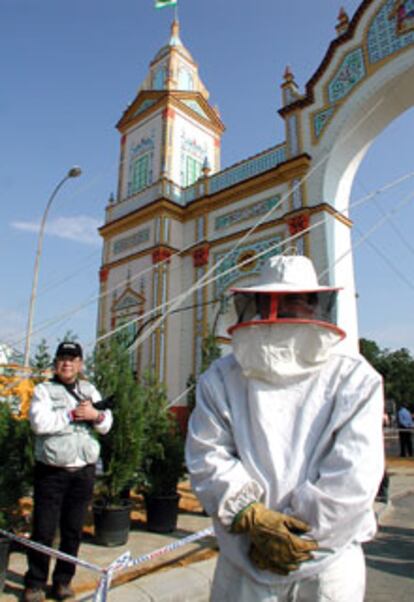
210	351
122	447
163	460
42	360
16	460
397	369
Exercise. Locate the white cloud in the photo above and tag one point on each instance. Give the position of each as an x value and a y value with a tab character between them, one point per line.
81	228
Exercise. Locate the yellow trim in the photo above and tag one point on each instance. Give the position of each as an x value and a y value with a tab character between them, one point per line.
140	216
281	174
168	99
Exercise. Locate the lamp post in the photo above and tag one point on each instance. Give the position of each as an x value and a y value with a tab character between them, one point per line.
74	172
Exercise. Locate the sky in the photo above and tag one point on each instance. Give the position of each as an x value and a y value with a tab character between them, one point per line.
69	69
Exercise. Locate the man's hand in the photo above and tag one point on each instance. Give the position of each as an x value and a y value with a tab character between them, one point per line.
276	542
85	412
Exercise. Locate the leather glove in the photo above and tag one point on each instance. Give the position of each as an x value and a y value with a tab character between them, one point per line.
276	544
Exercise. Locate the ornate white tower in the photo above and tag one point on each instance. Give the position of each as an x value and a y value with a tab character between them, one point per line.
170	141
170	130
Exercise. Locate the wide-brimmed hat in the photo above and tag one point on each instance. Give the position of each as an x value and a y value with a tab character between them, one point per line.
287	274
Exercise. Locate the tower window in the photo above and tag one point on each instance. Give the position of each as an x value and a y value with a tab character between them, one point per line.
140	174
193	170
159	79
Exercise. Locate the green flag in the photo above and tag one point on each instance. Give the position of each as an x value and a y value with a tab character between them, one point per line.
162	3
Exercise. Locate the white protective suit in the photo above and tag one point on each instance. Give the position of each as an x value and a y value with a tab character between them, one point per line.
306	442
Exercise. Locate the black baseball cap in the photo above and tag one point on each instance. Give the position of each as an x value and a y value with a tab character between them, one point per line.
69	348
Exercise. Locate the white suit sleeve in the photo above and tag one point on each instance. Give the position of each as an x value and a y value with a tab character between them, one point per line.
44	418
342	494
217	474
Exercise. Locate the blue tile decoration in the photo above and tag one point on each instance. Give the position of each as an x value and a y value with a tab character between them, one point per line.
321	119
228	271
144	145
245	213
247	169
391	30
128	242
192	104
351	71
148	102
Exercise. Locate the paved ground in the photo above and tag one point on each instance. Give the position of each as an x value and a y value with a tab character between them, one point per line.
390	558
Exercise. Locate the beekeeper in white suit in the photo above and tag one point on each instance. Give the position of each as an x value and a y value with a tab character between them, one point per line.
285	446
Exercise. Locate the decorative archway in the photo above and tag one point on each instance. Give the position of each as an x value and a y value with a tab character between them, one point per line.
363	83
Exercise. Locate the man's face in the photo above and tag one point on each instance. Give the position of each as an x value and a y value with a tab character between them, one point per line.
68	367
299	306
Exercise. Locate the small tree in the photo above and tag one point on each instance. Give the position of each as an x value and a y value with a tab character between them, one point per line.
163	461
69	336
210	351
42	360
122	446
191	395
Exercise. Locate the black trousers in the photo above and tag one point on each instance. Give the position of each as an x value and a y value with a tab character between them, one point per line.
406	446
61	498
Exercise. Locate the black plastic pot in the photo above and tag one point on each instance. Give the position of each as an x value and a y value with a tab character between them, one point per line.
162	512
112	523
4	560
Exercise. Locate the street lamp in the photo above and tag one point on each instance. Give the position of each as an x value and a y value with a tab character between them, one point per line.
74	172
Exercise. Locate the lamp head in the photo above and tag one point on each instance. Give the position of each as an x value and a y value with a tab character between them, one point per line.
74	172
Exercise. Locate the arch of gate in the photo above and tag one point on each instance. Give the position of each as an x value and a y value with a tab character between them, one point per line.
364	82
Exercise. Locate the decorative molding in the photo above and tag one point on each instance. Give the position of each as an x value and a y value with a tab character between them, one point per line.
103	274
321	119
229	269
194	106
351	71
391	29
297	223
146	104
248	168
144	145
193	147
161	254
244	213
168	112
129	242
201	256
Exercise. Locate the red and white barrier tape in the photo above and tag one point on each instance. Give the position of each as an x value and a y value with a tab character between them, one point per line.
123	562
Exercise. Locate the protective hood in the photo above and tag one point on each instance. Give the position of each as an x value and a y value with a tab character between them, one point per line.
283	352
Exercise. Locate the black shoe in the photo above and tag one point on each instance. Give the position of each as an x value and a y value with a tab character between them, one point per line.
33	594
62	592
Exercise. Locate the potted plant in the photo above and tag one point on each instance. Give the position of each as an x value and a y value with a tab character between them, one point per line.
163	463
121	448
16	469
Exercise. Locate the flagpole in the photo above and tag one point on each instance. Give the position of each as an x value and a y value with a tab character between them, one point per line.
176	11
